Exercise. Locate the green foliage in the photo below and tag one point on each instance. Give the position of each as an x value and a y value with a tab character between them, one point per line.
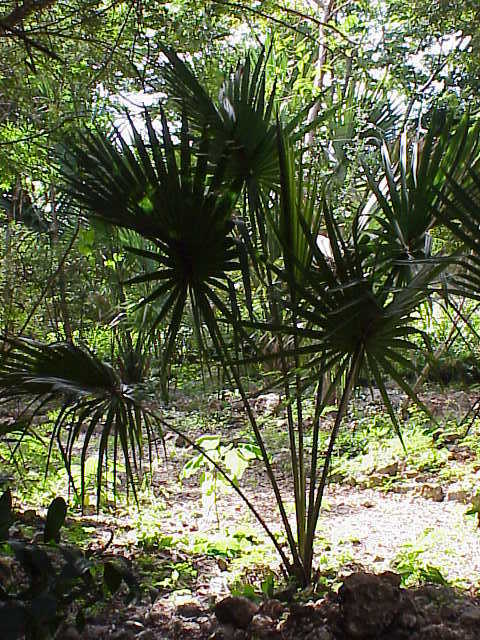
409	195
346	307
474	509
167	576
233	458
413	570
60	580
461	215
228	544
91	393
247	590
241	125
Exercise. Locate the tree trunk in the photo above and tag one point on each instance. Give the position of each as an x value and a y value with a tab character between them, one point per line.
15	207
62	302
327	13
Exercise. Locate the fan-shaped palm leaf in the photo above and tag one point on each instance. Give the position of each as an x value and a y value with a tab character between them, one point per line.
94	402
349	308
241	123
176	200
405	202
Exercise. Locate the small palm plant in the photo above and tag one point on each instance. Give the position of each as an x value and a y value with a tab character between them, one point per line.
343	312
94	403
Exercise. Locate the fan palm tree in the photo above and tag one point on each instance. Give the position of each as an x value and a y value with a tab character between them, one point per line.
344	310
185	211
345	315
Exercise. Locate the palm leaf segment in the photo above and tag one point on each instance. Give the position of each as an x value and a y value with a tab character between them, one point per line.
240	124
361	114
96	404
172	197
404	205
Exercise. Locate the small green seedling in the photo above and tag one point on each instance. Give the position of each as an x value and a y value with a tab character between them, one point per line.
475	508
233	459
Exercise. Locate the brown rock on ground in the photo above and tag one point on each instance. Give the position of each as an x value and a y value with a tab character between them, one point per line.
236	611
369	604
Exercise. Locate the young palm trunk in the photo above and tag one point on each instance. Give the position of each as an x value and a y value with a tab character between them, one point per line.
315	501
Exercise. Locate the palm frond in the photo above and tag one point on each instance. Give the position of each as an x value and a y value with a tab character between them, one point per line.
96	406
346	300
404	204
240	122
173	197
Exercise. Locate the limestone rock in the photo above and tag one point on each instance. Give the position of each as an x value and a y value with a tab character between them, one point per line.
402	488
375	480
458	495
190	610
389	469
268	404
263	628
432	492
29	516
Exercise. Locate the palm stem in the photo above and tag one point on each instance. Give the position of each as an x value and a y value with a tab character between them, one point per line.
222	351
301	507
342	408
296	465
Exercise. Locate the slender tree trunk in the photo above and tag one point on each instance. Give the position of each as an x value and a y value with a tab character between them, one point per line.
327	12
7	271
62	301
